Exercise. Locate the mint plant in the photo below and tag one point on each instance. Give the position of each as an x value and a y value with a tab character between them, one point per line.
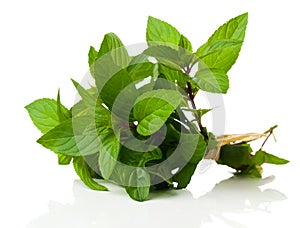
137	125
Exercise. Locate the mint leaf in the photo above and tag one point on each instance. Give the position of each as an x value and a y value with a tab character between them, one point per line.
225	54
87	98
102	118
139	159
64	159
259	158
62	113
171	57
156	154
212	80
113	46
185	43
65	139
113	87
183	177
139	185
216	46
43	113
47	114
272	159
140	58
235	156
85	173
252	171
192	148
90	104
109	152
164	54
112	58
93	56
200	112
185	52
161	32
153	108
140	71
175	76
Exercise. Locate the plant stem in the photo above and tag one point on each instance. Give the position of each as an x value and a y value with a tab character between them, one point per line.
191	98
270	131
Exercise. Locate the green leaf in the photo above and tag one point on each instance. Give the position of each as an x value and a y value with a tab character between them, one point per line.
164	53
185	52
64	159
235	156
44	116
261	157
161	32
113	87
185	43
84	172
43	113
140	58
258	158
225	54
200	112
254	171
90	104
109	152
139	185
87	98
156	154
192	148
93	56
203	111
272	159
153	108
112	57
62	113
139	159
212	80
140	70
113	45
216	46
103	119
67	140
175	76
173	58
251	171
183	177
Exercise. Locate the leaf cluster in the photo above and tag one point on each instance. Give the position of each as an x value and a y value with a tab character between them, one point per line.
141	136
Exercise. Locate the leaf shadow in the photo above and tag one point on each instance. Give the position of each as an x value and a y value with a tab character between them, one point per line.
89	209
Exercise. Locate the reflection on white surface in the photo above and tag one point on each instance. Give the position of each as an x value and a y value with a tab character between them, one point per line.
167	209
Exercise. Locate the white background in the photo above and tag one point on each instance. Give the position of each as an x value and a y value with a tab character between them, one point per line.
45	43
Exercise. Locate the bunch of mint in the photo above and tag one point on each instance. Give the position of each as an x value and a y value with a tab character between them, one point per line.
137	123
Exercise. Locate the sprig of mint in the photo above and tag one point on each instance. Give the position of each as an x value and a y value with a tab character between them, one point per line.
133	126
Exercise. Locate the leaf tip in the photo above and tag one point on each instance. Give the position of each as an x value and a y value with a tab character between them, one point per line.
40	140
244	16
151	18
74	82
